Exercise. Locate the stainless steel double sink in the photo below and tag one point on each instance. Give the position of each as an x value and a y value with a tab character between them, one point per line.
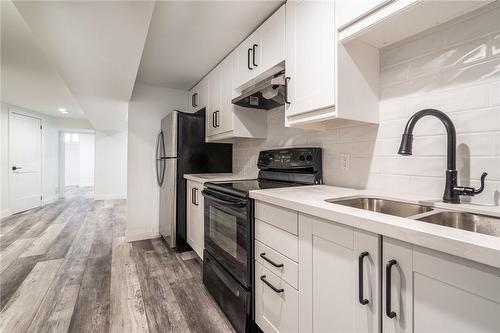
482	224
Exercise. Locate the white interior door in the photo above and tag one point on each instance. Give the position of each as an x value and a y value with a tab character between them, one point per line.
25	159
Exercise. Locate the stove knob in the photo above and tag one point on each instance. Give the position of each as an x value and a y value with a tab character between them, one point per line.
302	158
309	157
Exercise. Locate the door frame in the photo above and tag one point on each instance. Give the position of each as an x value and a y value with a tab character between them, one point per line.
62	156
9	150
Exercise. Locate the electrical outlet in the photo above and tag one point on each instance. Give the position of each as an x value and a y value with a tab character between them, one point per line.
345	161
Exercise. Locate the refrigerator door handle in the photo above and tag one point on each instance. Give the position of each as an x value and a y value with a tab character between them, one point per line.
160	165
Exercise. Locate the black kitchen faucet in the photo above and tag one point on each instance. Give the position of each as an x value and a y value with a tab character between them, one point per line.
452	191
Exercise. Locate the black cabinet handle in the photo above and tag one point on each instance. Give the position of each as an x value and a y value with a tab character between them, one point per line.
388	311
16	168
192	100
248	59
253	54
195	95
217	123
194	196
286	89
361	298
263	256
213	119
263	279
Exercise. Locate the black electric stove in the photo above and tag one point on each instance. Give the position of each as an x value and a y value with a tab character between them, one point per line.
229	227
278	168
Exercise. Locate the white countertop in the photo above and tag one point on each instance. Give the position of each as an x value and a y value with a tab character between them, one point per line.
216	177
311	200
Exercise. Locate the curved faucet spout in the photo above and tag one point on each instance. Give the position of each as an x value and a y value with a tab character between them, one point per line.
452	191
406	142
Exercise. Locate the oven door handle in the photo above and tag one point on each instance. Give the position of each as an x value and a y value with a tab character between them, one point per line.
223	199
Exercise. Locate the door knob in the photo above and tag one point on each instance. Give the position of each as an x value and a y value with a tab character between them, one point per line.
16	168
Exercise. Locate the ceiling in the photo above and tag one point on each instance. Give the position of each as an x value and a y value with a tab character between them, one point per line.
28	79
86	56
96	46
187	39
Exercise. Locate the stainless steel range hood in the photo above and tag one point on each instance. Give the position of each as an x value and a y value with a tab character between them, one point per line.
265	95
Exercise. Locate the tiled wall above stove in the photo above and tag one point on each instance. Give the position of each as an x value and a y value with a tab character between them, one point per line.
455	68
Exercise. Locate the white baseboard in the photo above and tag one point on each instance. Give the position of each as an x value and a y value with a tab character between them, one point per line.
86	185
140	235
5	213
116	196
49	200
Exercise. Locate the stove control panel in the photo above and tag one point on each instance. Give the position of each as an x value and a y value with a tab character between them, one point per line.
291	158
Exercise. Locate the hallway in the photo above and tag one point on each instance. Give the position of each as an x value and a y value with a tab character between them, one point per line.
66	267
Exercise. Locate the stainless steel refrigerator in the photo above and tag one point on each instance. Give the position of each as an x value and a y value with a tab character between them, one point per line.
181	149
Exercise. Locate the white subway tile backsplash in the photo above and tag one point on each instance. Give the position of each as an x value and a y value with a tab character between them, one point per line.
477	26
457	56
454	68
495	94
452	100
495	46
390	183
483	72
412	49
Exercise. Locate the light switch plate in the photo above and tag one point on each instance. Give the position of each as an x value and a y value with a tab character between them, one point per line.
345	162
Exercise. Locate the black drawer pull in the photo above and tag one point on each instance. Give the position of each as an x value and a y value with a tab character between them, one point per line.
263	256
263	279
361	298
388	311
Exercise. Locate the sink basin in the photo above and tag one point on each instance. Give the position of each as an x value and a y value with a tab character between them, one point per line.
466	221
385	206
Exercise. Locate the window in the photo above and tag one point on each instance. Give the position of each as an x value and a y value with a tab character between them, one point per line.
71	138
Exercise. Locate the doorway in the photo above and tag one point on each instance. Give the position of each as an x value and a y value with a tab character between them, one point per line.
79	160
25	162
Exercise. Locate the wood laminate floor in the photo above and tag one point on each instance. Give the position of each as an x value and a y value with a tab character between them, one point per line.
65	267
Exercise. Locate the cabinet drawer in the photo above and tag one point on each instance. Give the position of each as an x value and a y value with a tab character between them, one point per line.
283	242
288	272
275	311
283	218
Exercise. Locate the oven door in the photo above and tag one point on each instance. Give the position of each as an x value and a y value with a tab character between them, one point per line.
228	233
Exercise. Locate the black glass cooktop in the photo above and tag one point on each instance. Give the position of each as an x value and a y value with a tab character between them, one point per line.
242	187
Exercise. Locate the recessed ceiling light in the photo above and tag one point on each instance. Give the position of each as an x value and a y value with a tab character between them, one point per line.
63	110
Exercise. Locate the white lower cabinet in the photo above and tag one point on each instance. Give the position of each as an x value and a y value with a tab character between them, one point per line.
330	299
435	292
276	302
308	280
195	217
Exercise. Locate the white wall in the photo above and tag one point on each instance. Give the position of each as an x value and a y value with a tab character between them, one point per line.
110	173
87	160
148	105
454	68
4	161
50	148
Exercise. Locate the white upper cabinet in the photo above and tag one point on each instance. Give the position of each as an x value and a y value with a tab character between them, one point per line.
350	11
223	119
198	96
310	61
261	54
383	22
